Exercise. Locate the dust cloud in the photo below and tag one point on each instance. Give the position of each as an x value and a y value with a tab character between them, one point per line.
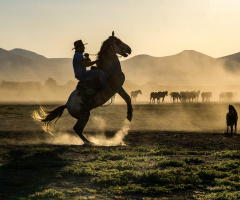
187	71
102	140
35	92
99	138
187	117
59	137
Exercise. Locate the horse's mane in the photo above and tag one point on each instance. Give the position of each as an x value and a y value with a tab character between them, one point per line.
103	48
105	45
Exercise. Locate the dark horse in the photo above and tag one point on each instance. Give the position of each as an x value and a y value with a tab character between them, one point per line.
158	96
231	118
80	103
175	95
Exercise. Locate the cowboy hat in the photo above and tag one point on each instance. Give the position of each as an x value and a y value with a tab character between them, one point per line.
78	43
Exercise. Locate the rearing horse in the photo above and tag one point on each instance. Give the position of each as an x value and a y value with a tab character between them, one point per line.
77	105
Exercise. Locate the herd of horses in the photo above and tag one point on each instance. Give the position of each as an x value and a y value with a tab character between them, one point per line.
226	96
183	96
191	96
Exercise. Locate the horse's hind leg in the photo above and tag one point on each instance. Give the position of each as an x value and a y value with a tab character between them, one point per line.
235	128
231	128
80	125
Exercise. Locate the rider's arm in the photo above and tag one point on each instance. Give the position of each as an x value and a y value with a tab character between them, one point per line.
86	63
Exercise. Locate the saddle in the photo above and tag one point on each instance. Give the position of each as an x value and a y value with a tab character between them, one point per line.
87	88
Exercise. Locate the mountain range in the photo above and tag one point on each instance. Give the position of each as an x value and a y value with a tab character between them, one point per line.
184	68
23	65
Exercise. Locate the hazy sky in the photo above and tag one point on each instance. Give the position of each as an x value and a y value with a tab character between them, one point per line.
154	27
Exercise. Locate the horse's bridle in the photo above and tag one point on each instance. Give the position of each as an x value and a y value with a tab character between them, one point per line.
113	48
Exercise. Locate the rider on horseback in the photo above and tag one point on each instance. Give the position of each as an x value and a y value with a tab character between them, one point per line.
81	62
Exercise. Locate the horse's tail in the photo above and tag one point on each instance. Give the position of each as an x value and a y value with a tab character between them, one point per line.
57	113
46	117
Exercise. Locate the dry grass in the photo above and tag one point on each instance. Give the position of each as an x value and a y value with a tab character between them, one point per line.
154	164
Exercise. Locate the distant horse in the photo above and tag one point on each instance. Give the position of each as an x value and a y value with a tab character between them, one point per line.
206	96
158	96
162	95
175	95
80	103
189	96
196	95
153	96
183	96
134	94
231	118
226	96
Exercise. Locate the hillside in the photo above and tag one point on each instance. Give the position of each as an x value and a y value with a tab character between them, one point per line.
28	54
231	62
185	68
23	65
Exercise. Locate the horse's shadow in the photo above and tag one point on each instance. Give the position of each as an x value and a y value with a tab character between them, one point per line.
29	172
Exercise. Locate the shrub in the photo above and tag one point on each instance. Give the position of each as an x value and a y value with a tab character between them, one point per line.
170	163
194	161
48	193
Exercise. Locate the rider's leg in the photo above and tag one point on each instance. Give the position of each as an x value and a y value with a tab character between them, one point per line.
97	74
102	95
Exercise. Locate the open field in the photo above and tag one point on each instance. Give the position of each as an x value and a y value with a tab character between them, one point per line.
168	151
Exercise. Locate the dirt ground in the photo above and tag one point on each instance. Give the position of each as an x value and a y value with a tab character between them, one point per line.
194	126
196	141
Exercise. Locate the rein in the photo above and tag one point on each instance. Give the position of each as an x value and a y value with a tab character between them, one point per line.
97	54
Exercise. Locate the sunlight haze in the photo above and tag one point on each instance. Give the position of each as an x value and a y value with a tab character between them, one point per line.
157	27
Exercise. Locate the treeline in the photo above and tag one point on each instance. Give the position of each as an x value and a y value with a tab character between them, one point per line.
50	83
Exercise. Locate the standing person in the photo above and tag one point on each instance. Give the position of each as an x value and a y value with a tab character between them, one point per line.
80	63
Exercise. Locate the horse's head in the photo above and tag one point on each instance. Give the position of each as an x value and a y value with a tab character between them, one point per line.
231	108
114	45
109	62
119	47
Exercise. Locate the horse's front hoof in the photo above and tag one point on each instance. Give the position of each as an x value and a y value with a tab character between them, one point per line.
89	144
129	117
